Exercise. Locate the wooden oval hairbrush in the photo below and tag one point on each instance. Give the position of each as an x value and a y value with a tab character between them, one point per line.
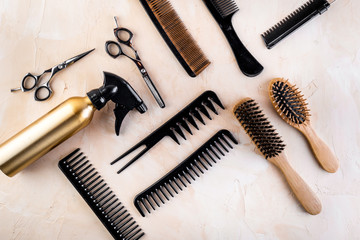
292	107
271	146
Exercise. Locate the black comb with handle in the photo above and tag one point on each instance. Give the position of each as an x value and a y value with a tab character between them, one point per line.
99	197
299	17
181	120
223	11
182	175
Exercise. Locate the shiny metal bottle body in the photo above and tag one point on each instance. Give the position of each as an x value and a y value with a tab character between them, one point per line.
45	133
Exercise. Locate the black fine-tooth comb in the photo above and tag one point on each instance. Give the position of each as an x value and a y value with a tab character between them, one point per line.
180	176
299	17
99	197
173	125
222	11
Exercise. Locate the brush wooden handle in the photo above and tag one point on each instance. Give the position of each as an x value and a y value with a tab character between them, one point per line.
322	152
302	191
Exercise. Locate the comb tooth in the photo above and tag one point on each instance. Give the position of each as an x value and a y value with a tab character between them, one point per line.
69	162
192	122
149	201
95	196
139	236
163	193
197	166
198	116
202	164
95	188
129	228
186	126
77	162
157	194
81	166
211	149
211	106
173	136
217	148
109	205
221	144
144	204
177	184
202	109
139	207
205	158
214	98
209	155
152	194
103	198
194	169
185	176
172	186
179	131
168	190
130	233
181	180
118	214
86	174
122	224
93	181
84	170
89	178
112	209
189	173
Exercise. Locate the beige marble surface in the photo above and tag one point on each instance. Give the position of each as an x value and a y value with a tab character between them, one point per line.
243	197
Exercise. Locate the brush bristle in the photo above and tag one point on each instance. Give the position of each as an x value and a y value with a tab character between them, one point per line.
225	7
179	35
259	128
288	102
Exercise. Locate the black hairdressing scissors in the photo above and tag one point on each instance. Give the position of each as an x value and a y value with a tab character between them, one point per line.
125	36
44	91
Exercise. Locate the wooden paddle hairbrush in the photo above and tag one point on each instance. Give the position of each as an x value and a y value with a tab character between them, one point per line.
292	107
271	146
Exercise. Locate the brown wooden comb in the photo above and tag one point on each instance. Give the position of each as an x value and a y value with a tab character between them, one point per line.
177	37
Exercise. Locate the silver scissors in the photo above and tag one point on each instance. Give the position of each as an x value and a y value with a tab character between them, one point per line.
125	36
44	91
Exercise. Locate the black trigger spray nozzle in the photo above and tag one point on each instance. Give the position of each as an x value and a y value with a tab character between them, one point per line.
121	93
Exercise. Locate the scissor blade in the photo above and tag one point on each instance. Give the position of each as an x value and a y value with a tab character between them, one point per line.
77	58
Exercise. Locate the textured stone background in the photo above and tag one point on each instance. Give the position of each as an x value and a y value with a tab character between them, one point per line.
243	197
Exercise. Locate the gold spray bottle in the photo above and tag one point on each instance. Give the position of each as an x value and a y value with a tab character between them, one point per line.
64	121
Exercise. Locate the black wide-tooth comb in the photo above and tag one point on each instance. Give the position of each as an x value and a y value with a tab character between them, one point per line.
185	116
99	197
182	175
222	11
299	17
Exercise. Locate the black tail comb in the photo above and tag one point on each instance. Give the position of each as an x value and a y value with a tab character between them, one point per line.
182	119
185	172
295	20
222	11
99	197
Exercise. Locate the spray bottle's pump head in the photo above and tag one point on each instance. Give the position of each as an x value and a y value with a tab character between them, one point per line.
121	93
